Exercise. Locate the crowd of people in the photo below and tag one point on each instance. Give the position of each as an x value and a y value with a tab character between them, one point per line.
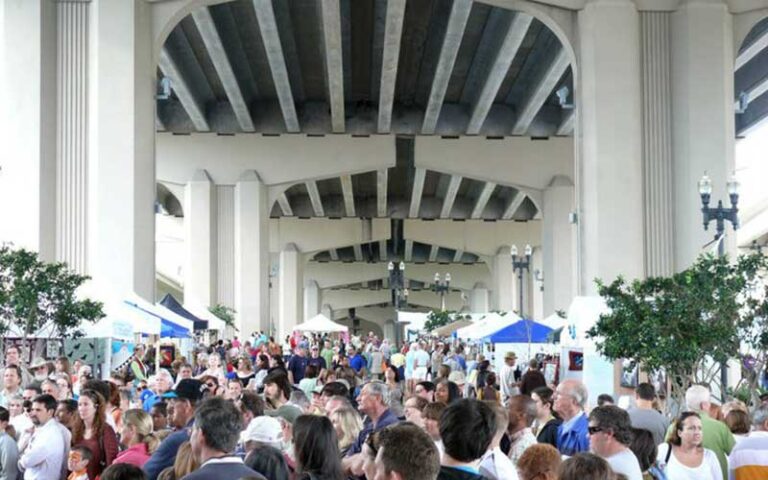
316	408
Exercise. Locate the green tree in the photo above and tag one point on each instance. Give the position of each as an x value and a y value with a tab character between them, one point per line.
685	323
437	320
37	296
226	314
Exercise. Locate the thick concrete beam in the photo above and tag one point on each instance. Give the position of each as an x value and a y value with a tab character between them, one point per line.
510	44
482	200
567	123
381	192
265	15
393	31
512	161
319	234
450	48
760	44
191	103
408	255
433	251
450	196
334	254
383	254
418	187
285	205
543	90
358	249
755	91
343	299
334	66
349	195
458	256
476	236
218	55
332	275
514	204
314	197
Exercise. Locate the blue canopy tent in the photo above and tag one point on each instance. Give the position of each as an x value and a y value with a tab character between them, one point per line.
518	333
173	305
169	327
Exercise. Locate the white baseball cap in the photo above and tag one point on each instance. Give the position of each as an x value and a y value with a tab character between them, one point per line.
263	429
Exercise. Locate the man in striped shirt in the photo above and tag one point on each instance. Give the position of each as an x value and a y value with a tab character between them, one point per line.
749	458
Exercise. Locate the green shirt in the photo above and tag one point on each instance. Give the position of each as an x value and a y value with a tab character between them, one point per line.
716	437
327	354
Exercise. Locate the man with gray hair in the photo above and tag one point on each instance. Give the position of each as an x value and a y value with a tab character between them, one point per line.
570	399
715	434
373	402
749	458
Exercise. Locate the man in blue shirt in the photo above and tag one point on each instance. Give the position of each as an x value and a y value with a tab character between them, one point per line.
297	365
184	400
570	399
356	361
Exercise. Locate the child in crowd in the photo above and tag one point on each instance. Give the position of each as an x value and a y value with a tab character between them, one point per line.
77	463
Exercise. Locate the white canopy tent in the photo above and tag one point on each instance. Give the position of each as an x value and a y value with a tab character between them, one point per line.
415	320
214	322
488	325
320	324
161	312
554	321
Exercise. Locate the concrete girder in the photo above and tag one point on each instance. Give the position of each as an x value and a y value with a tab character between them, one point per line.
454	300
476	236
534	103
463	276
191	103
450	196
567	123
450	48
457	256
508	161
482	200
513	205
358	249
344	299
408	254
383	254
314	197
381	192
334	254
339	274
755	91
433	251
312	235
334	64
418	188
265	15
760	44
506	53
218	55
393	31
753	229
349	195
285	205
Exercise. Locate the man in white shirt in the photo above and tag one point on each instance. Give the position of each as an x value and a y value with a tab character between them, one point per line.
495	465
44	456
509	387
609	436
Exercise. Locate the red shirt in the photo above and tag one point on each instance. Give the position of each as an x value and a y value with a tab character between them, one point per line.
135	455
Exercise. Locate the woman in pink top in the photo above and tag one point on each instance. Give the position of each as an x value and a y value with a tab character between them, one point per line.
138	438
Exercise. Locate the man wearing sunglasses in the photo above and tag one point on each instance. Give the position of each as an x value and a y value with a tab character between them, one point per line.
610	432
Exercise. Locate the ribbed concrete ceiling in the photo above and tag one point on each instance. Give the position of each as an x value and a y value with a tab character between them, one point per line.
752	78
447	67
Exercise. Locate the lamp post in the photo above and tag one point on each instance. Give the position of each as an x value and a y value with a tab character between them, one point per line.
397	284
442	287
720	215
518	265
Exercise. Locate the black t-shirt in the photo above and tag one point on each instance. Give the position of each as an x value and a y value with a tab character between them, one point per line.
297	365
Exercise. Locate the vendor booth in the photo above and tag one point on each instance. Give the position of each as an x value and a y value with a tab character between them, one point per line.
320	324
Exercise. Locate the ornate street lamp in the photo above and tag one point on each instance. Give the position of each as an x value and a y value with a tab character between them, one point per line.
397	284
518	265
720	215
442	287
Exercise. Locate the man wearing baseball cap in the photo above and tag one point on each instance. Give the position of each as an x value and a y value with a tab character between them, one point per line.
183	400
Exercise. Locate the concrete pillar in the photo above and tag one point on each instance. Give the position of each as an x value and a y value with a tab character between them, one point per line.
702	118
200	228
72	120
558	242
609	144
28	125
478	300
536	297
121	157
327	310
311	299
503	297
251	253
291	289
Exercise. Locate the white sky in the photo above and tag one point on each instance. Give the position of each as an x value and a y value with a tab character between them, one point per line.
752	172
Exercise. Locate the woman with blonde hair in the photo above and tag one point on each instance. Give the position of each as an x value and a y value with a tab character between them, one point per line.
184	464
348	425
138	438
91	430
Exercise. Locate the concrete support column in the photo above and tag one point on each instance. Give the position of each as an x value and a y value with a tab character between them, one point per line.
28	125
558	242
536	298
702	118
609	144
657	143
72	137
121	156
311	299
291	288
327	310
478	300
251	253
200	228
503	297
